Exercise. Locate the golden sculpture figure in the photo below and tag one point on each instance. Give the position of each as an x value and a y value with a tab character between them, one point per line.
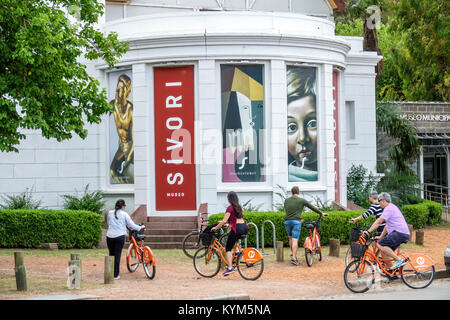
123	117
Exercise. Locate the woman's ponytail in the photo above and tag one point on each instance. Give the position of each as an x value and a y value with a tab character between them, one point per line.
119	205
234	200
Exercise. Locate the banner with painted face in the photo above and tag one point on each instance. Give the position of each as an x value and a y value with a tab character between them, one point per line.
121	147
302	124
175	185
242	91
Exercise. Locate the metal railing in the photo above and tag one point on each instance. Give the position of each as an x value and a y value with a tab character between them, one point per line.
274	236
436	193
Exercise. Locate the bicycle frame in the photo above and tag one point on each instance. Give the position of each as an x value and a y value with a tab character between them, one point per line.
250	255
139	250
312	242
418	262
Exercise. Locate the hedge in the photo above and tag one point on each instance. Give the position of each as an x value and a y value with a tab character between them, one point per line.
426	212
435	212
336	226
416	214
68	228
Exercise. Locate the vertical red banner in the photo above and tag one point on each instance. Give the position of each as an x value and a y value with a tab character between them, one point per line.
175	187
337	195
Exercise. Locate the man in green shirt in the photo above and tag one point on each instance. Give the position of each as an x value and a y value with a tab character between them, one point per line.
293	207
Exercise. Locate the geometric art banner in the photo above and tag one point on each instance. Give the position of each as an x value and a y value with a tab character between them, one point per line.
242	92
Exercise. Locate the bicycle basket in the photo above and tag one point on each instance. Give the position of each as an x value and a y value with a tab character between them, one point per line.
206	238
354	234
358	250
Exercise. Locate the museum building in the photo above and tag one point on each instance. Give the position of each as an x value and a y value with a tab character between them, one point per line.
215	96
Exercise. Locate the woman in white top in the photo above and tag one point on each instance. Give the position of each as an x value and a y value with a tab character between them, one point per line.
118	221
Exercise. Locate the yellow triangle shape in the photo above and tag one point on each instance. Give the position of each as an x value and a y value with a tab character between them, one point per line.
247	86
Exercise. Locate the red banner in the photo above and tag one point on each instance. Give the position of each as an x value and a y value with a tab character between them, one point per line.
337	194
174	138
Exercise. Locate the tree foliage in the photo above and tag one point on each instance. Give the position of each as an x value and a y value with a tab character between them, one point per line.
44	84
413	37
406	147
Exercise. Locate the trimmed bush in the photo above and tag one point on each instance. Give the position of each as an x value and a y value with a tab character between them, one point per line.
336	225
434	212
68	228
416	215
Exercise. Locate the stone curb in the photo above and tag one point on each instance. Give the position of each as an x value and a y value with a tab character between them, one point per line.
442	274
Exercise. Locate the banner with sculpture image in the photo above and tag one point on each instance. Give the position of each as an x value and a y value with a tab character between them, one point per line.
242	92
302	124
121	148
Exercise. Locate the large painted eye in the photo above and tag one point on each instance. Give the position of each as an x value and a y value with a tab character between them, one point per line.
312	124
292	127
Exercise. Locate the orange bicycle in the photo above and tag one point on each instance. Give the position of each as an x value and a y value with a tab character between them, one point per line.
139	253
312	242
208	259
360	274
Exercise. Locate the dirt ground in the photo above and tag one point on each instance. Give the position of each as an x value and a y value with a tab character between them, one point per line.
178	280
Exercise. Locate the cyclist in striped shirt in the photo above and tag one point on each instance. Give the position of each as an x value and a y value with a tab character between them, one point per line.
373	209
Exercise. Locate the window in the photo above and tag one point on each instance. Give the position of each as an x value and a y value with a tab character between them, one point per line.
350	118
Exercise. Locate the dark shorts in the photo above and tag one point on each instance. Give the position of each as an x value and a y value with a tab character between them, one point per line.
241	229
394	239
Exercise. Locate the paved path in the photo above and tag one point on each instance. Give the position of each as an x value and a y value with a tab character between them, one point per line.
438	290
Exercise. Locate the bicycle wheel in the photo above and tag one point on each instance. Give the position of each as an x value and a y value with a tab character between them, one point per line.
319	254
359	276
249	271
191	243
415	279
309	256
149	268
132	259
348	256
207	262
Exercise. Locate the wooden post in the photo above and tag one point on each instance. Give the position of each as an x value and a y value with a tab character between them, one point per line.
77	257
411	231
20	272
74	280
419	236
280	252
109	269
335	245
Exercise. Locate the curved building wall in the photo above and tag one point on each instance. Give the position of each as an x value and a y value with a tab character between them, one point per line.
259	47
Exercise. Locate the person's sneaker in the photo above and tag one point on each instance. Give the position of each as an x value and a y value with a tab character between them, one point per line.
117	278
398	264
295	262
228	271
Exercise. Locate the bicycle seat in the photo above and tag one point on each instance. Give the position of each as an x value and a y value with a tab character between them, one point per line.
309	225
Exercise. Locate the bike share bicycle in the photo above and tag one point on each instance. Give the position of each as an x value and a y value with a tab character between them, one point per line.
208	259
359	275
312	242
139	253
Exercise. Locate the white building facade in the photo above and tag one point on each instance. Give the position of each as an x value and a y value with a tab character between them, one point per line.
195	72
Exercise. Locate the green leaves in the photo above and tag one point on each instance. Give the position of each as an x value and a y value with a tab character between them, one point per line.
43	83
90	201
29	228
